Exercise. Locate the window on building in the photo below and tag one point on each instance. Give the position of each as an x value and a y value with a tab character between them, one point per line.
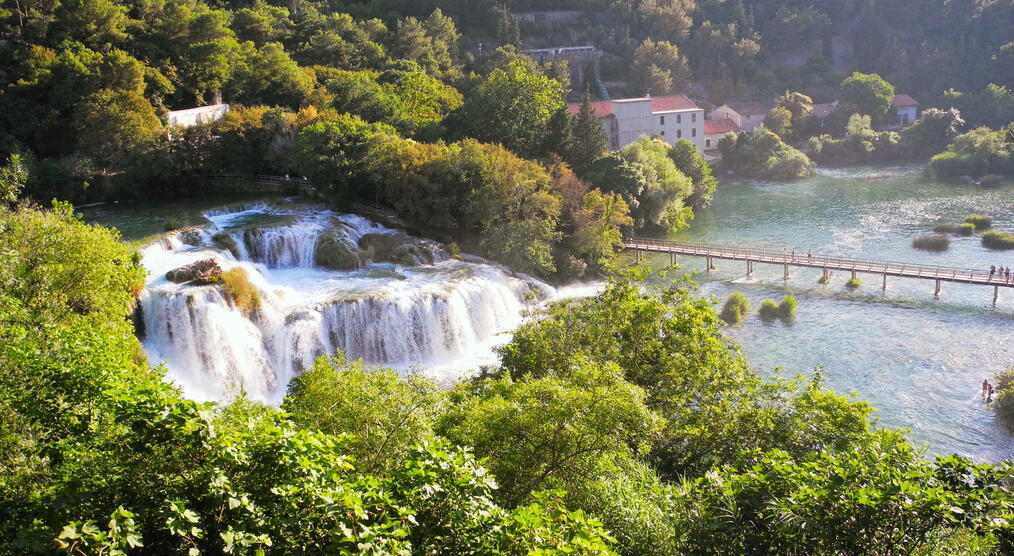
693	118
679	118
663	133
693	132
707	143
679	133
661	120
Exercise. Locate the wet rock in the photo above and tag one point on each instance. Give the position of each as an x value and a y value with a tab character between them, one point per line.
200	273
401	249
990	179
334	253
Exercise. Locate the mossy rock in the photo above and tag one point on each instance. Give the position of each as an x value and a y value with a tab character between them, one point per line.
398	249
225	241
334	253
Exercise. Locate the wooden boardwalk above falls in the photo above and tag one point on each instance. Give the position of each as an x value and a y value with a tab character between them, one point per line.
824	262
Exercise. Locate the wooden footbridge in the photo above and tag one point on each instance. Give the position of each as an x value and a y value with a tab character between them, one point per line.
824	262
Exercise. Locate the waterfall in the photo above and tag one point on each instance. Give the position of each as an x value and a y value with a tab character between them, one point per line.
446	316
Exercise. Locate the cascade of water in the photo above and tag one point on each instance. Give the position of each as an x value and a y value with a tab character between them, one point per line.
447	315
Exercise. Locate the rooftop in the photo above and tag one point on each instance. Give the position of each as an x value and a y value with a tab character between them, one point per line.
824	110
669	103
713	127
747	108
903	101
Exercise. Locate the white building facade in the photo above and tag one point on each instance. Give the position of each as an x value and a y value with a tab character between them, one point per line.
669	118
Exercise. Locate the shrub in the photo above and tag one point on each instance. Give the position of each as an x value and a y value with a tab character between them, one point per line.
1003	403
853	283
931	242
998	240
768	310
787	308
948	228
979	221
237	288
966	229
173	224
735	309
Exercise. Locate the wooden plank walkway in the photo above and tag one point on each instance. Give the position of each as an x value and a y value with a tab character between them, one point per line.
824	262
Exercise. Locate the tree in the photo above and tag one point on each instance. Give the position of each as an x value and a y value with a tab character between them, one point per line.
513	106
658	68
598	224
332	153
13	177
548	431
779	121
932	132
668	18
867	94
693	165
798	104
508	32
649	182
384	414
262	23
113	125
588	137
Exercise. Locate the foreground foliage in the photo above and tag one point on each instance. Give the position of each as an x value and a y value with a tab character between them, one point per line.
620	423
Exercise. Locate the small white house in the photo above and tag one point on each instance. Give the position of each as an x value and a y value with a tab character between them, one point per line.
714	130
906	111
747	115
200	115
671	118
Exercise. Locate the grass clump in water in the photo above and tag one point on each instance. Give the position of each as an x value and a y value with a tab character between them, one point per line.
931	242
949	228
1003	402
736	308
998	240
979	221
853	283
173	224
768	310
237	288
966	229
787	308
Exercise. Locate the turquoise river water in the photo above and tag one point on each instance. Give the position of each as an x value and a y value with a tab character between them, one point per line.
920	361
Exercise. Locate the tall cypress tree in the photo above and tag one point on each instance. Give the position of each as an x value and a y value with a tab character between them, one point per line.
588	138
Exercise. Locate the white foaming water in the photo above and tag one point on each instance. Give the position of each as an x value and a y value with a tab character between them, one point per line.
445	317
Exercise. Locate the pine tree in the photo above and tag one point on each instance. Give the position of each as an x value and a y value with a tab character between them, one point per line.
507	29
588	138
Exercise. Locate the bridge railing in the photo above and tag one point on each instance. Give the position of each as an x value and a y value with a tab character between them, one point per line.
844	263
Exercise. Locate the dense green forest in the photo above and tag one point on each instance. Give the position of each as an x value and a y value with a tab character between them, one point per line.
621	423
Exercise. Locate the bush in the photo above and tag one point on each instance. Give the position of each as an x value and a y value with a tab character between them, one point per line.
948	228
966	229
237	288
1003	403
787	308
173	224
931	242
853	283
980	222
736	308
998	240
768	310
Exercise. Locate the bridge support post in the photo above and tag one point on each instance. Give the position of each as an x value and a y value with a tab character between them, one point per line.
672	259
884	287
749	268
936	292
825	278
853	275
996	294
786	272
707	261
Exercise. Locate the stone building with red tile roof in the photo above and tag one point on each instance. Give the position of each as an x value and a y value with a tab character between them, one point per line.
670	118
747	115
715	129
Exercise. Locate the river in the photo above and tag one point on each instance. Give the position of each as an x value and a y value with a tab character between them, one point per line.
920	361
